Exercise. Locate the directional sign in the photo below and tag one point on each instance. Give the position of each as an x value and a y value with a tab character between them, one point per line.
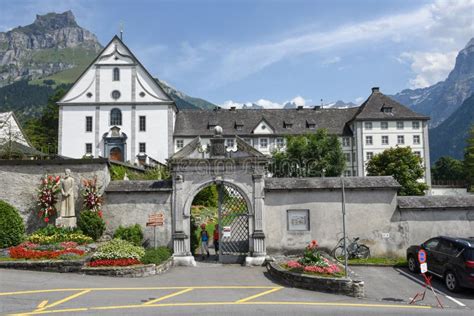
156	219
421	256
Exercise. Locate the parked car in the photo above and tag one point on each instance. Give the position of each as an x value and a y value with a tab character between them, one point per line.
449	258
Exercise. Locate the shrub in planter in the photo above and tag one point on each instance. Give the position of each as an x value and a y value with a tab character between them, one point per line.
72	237
133	234
91	224
12	229
156	256
118	249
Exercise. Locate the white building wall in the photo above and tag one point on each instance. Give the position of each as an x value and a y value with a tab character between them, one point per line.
155	136
73	137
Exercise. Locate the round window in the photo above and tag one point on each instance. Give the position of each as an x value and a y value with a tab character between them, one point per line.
115	94
89	95
142	94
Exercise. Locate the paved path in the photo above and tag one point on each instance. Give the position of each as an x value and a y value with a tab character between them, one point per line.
212	289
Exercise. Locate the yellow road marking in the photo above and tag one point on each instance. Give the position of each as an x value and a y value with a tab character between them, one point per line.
137	289
258	295
335	304
42	304
64	300
167	296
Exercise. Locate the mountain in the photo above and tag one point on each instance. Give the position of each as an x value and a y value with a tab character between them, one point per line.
184	101
52	43
439	101
449	138
340	105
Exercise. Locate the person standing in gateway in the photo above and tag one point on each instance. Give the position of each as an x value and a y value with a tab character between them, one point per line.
204	241
215	239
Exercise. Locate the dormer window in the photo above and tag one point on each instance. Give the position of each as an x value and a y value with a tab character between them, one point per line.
387	109
288	125
116	76
239	125
211	126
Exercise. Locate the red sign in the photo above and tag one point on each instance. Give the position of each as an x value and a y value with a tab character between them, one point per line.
156	219
421	256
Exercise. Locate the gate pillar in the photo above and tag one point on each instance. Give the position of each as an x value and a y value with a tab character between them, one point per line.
259	251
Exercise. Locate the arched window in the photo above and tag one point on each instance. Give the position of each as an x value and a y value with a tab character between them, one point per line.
116	74
115	117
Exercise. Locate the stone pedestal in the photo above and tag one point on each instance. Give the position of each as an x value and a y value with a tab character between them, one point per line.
66	222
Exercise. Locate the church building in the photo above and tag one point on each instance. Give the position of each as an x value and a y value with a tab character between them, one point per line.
117	110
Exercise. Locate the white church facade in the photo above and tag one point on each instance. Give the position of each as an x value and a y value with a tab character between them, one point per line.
117	110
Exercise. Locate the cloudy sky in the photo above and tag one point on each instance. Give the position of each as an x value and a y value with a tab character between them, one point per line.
273	51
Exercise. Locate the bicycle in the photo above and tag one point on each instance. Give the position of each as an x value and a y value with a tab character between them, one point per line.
354	250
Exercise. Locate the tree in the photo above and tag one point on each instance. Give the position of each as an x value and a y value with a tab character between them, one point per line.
469	159
447	168
311	155
403	165
43	131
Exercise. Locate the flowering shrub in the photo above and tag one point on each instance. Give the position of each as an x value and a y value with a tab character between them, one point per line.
72	237
29	250
118	249
313	262
114	262
47	196
92	198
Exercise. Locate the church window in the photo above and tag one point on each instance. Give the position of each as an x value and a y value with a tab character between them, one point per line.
115	117
88	148
179	143
142	147
88	123
116	74
142	123
115	94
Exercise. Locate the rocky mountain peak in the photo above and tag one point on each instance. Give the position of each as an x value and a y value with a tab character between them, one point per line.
55	21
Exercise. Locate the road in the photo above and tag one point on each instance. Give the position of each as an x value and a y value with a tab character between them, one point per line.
212	289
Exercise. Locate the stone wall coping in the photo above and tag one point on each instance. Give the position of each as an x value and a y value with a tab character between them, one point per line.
331	183
139	186
435	202
65	161
44	265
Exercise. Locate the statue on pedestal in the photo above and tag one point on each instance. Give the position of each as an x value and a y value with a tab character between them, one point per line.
67	215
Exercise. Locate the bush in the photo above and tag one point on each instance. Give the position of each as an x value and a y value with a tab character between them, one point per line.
12	229
157	255
91	224
133	234
118	249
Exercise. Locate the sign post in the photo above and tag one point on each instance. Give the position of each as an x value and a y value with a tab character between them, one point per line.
420	296
154	220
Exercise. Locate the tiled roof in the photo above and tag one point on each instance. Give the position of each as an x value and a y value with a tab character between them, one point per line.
197	122
373	109
436	201
330	183
139	186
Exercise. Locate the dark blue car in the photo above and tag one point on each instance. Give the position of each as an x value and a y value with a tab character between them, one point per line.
449	258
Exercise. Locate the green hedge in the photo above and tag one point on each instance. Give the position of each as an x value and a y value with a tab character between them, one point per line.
91	224
156	256
12	228
133	234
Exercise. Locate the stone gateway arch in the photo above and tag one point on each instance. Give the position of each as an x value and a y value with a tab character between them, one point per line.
238	173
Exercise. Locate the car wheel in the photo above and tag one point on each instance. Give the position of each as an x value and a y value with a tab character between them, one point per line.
413	265
451	282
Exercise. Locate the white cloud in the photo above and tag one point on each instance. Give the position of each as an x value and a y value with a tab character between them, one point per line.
331	60
299	100
359	100
429	67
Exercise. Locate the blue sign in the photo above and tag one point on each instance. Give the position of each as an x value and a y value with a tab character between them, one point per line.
421	256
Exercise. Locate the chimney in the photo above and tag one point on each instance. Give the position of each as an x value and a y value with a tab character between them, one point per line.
217	108
232	108
375	90
299	107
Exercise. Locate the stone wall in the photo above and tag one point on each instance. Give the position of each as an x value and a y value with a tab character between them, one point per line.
384	223
131	202
19	181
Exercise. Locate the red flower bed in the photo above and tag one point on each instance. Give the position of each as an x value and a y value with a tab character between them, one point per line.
114	262
27	251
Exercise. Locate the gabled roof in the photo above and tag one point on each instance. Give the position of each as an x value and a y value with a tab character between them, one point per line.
116	38
372	109
331	183
195	122
20	135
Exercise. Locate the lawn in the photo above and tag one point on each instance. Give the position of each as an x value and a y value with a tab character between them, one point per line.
397	262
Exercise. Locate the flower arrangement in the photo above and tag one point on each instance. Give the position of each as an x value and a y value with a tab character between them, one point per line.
47	196
29	250
313	262
92	198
